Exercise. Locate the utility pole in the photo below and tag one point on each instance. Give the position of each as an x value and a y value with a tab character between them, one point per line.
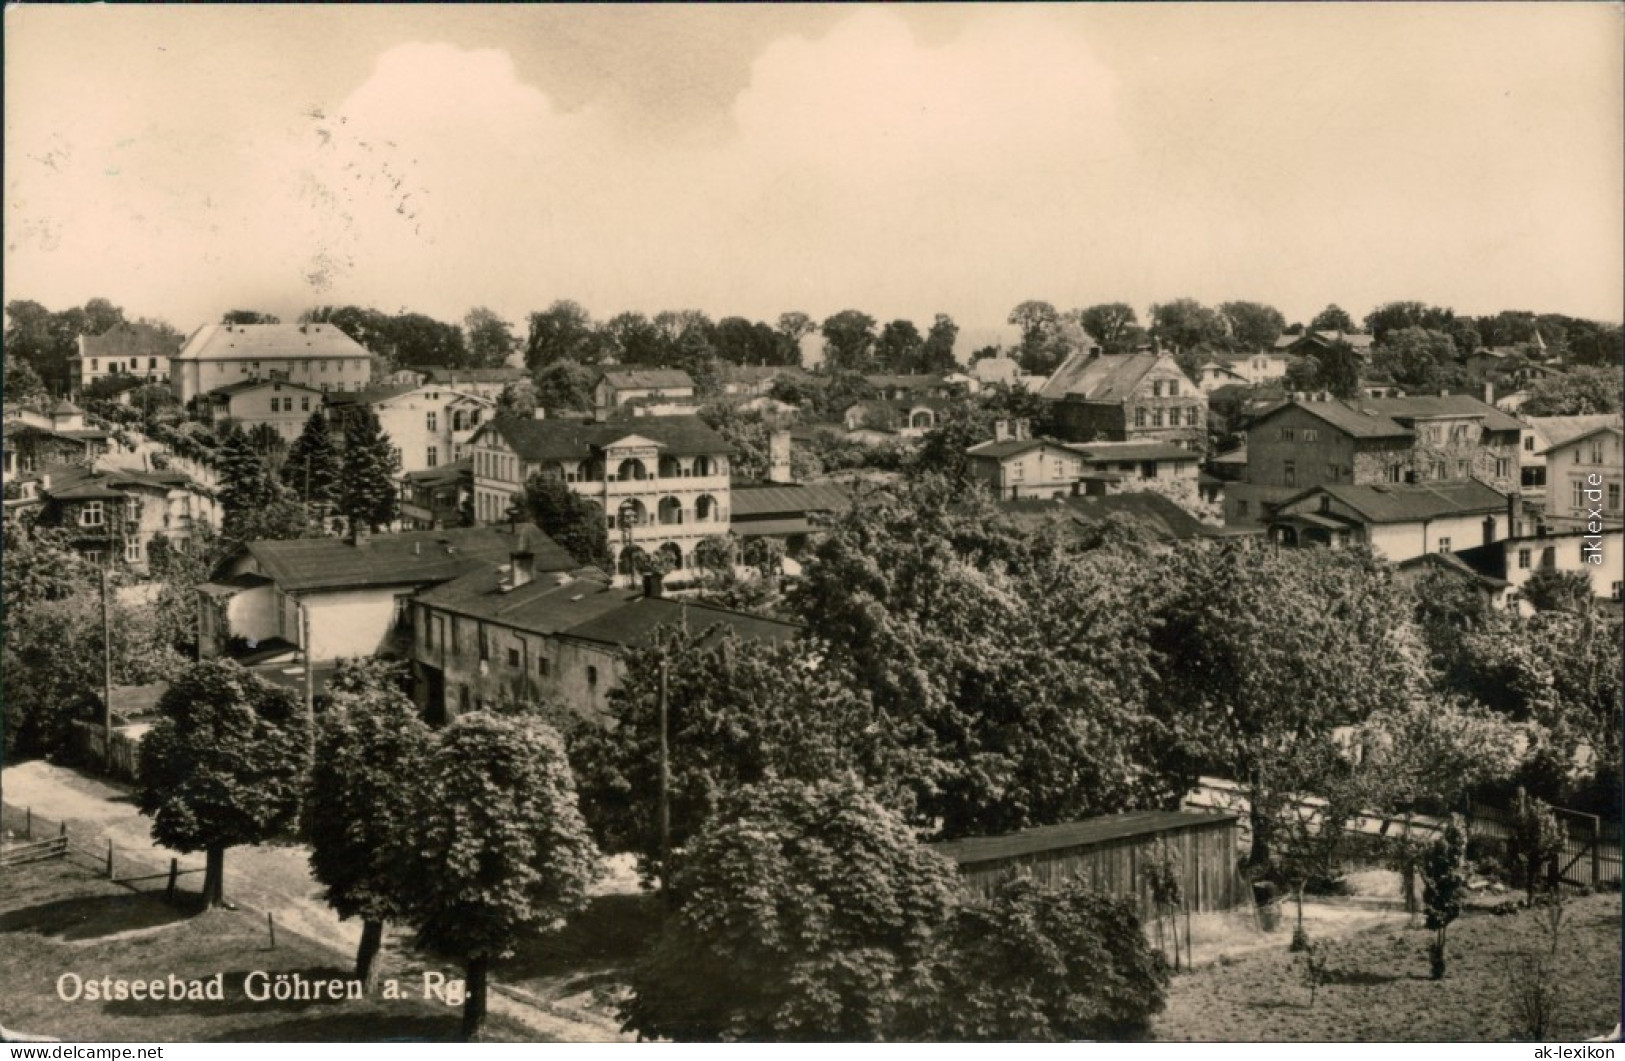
665	790
310	679
107	679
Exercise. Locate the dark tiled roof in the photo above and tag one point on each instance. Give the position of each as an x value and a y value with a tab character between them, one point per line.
1484	564
1349	420
919	381
544	606
574	440
647	378
787	500
1008	448
1405	503
130	340
633	624
410	558
1561	430
230	389
1421	406
1134	451
1099	377
370	395
216	342
452	376
1155	513
442	474
1079	834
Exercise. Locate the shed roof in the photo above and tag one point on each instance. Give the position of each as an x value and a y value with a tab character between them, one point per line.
788	499
410	558
1134	451
1408	502
1078	834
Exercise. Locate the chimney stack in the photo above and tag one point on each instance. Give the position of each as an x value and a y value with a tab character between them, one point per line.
1489	393
1001	430
1514	514
654	584
360	533
1023	429
778	452
521	567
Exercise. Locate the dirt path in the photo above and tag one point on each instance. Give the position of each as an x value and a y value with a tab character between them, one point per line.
274	879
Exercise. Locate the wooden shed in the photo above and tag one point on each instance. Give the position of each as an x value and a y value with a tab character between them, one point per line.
1112	853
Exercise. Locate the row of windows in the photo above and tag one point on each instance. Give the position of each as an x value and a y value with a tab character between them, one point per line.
1581	504
118	366
285	405
1172	418
1298	434
1170	387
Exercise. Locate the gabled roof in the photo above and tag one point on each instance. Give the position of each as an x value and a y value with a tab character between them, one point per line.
1424	406
759	501
575	440
448	377
1154	513
1410	502
1561	430
410	558
128	340
1133	451
633	624
1010	447
441	474
231	390
1358	340
1363	422
238	342
651	378
370	395
917	381
1099	377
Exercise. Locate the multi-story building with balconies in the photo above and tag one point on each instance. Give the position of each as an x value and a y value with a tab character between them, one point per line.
318	356
430	424
112	516
662	482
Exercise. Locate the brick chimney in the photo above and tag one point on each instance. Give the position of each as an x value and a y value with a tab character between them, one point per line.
1514	514
1489	393
360	533
521	566
1001	430
778	458
1024	428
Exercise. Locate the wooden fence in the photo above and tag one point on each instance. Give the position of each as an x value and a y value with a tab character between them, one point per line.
90	742
21	824
1591	854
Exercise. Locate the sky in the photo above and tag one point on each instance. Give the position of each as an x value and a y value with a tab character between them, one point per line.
182	161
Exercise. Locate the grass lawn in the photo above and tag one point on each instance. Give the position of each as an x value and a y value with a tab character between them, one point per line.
1378	988
58	917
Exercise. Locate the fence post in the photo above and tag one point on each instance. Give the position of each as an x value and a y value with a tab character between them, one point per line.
28	823
109	858
62	831
1596	852
270	926
174	871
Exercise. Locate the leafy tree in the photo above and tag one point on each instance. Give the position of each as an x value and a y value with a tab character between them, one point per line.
1340	370
281	519
420	341
576	523
498	849
224	765
22	383
371	749
1434	751
971	634
42	566
1578	392
715	556
738	713
1033	964
1397	316
898	348
248	316
1253	644
937	352
366	484
793	327
632	339
564	386
563	332
369	327
807	912
101	316
1551	590
1444	884
1114	325
1595	344
1536	842
489	339
1333	318
519	398
1186	324
1302	376
1316	798
313	465
1418	358
1252	325
1044	339
849	340
744	342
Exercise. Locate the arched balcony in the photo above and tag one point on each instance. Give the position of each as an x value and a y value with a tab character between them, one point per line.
922	419
706	508
673	555
631	470
631	513
670	511
704	466
634	561
671	468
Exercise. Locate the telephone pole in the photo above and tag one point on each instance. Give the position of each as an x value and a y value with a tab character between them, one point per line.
107	680
665	790
310	679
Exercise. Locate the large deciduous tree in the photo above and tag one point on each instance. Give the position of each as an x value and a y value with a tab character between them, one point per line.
576	523
807	914
898	348
849	340
498	847
1333	318
562	332
1186	324
224	765
367	492
1418	358
737	713
1114	325
792	327
1255	647
1578	392
489	339
937	352
1252	325
564	387
362	793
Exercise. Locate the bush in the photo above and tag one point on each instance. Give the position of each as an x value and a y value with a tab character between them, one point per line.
1033	964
